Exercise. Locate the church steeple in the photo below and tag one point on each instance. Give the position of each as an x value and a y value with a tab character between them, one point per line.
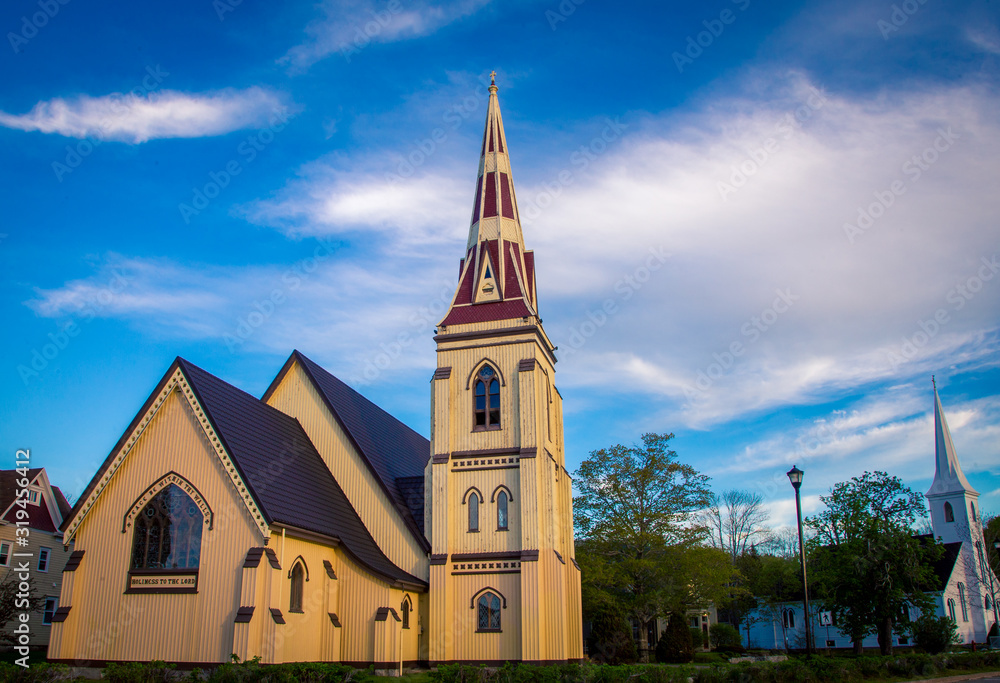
497	275
953	501
948	476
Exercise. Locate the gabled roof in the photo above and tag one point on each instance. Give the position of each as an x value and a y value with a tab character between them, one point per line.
303	492
40	515
391	450
944	567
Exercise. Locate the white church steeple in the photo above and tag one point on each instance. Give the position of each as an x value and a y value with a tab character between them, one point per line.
953	501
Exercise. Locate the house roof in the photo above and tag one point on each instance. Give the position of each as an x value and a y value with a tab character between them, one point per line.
39	517
944	567
392	451
280	466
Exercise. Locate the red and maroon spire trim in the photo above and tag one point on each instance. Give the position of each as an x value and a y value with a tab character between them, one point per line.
497	279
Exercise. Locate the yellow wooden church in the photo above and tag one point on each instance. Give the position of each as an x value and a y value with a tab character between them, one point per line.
310	525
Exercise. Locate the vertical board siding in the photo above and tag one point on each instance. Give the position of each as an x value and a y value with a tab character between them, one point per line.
296	396
105	623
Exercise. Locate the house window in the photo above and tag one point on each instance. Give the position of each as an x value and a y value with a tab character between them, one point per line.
43	559
489	612
33	497
473	511
788	618
961	600
903	640
487	399
295	594
502	511
4	554
951	610
168	532
50	608
405	611
949	513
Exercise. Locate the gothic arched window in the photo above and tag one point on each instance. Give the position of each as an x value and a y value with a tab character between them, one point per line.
473	511
502	511
404	609
949	513
489	612
486	394
168	532
951	610
972	510
961	600
788	618
298	575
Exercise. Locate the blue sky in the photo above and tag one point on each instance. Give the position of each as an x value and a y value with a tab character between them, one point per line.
789	208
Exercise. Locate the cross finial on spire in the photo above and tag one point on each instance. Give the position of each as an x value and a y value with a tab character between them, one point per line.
493	78
934	382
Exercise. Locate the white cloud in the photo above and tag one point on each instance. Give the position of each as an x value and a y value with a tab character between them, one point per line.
352	25
160	114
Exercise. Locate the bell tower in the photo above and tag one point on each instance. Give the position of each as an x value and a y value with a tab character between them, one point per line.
504	583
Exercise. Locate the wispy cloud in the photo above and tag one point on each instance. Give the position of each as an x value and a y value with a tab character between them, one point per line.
161	114
352	25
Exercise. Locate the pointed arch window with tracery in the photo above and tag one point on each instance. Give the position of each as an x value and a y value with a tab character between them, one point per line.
486	397
489	612
167	532
949	513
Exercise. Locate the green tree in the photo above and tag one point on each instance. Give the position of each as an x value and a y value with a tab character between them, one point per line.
14	602
934	634
610	639
676	645
634	512
865	563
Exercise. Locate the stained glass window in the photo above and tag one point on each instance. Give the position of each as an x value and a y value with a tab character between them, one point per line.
168	532
489	612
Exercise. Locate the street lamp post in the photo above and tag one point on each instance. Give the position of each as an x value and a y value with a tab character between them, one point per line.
795	476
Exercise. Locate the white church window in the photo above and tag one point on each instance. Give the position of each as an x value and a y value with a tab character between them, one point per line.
949	513
972	510
788	618
961	599
951	610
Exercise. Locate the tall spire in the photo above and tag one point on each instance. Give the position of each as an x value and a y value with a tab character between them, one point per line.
497	275
948	476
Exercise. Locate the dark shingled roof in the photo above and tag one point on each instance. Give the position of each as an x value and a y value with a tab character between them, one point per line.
392	450
946	565
279	464
412	489
285	474
64	506
8	485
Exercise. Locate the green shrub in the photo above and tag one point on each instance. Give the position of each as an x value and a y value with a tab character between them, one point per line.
610	639
138	672
36	673
724	637
934	634
675	646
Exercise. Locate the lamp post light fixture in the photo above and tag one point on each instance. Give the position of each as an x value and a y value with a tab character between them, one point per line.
795	476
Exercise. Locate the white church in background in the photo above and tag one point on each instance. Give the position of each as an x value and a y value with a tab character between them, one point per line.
967	587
